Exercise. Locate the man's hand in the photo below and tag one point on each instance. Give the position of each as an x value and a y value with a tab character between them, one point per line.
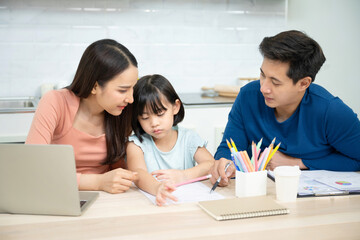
218	169
281	159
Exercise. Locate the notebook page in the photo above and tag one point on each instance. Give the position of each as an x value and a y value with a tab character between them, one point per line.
193	192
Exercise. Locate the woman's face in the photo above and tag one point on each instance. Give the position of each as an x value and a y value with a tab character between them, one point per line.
117	92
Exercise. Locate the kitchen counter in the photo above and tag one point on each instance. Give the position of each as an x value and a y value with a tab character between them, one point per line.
207	116
199	99
14	126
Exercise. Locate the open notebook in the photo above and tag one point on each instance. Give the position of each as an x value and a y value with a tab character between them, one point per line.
237	208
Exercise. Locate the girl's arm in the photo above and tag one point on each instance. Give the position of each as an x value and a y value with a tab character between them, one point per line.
205	161
145	181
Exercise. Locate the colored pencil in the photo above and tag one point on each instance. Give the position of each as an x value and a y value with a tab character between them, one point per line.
272	154
251	168
266	160
262	159
259	144
237	162
194	180
237	166
233	144
242	163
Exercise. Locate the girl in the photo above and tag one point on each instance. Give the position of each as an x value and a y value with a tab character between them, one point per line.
160	148
92	115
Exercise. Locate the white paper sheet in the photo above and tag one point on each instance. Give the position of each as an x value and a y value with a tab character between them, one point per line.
193	192
322	182
346	181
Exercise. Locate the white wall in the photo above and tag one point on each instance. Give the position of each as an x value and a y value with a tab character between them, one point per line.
335	25
192	42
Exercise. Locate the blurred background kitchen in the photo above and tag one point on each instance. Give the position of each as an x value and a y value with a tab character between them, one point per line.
193	43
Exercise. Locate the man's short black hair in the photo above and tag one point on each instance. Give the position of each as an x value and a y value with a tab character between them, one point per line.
304	54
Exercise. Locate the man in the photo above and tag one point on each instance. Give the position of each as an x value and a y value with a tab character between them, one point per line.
316	129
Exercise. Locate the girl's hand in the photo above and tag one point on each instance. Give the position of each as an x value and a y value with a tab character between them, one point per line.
164	192
116	181
173	175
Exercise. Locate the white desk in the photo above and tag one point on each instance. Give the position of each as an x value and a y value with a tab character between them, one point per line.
132	216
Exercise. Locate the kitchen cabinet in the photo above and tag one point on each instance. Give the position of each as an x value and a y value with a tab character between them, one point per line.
207	116
14	127
16	114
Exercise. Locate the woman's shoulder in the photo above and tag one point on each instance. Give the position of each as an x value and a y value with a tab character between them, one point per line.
61	95
62	102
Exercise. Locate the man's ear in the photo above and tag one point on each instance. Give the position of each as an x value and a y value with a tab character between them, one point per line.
304	83
94	89
176	106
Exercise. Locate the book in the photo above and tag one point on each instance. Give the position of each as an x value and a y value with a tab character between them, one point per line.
238	208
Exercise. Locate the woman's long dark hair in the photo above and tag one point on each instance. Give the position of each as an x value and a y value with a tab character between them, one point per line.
101	61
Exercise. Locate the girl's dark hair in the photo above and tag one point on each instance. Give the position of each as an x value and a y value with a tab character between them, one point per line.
147	93
101	61
302	52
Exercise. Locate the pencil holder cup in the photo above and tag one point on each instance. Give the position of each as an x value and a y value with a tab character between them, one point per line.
250	183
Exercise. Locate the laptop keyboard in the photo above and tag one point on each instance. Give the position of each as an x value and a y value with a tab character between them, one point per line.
82	202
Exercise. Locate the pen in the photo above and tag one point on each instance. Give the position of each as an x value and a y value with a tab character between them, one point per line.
219	179
194	180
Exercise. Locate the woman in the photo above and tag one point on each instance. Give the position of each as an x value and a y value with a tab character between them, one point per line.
92	115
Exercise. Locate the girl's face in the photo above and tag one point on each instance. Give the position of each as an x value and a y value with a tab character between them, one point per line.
117	92
160	124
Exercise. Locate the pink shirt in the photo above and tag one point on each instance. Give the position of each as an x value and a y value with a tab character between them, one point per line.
53	124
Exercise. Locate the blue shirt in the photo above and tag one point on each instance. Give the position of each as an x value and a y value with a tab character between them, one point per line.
323	131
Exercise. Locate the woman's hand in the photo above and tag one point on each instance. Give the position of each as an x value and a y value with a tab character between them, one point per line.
164	192
281	159
116	181
173	175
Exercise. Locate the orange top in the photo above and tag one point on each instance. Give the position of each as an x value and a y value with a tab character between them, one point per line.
53	124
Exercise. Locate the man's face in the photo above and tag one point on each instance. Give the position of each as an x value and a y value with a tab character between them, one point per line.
277	88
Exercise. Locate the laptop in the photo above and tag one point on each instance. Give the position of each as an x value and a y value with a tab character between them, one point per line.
41	179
